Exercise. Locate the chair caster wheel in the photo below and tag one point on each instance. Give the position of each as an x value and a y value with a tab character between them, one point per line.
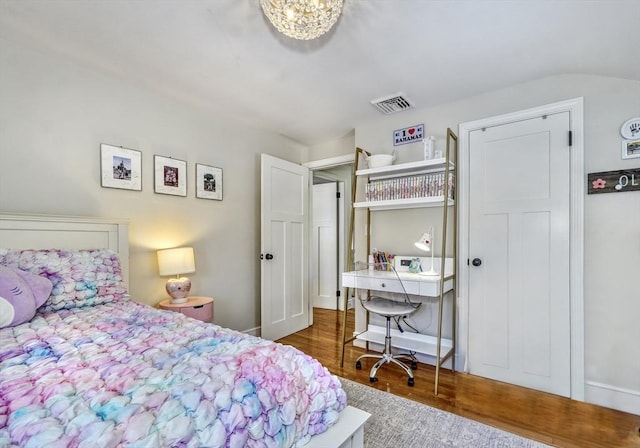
414	365
358	365
410	382
373	379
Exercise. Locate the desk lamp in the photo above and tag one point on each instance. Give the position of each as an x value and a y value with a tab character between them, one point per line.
177	261
425	243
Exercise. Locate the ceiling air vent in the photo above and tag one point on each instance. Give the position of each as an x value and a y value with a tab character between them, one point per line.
393	103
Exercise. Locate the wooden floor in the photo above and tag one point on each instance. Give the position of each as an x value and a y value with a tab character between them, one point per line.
547	418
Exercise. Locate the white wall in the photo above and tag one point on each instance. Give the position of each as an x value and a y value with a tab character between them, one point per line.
332	148
612	230
53	117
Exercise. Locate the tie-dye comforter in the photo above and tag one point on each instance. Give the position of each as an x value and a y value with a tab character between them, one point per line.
125	374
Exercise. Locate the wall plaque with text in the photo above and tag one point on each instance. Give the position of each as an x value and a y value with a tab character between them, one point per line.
614	181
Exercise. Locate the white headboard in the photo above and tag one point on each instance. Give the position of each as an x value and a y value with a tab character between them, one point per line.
66	232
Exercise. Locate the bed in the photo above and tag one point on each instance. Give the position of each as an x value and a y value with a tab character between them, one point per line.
85	365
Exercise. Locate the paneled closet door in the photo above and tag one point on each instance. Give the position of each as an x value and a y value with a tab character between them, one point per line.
519	302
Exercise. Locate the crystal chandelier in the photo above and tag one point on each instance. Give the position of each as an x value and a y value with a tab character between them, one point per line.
302	19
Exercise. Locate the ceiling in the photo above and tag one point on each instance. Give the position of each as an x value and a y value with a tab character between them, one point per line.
223	55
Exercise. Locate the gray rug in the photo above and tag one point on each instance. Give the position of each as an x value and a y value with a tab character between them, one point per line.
397	422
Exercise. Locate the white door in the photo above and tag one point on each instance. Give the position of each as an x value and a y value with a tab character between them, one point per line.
519	230
284	233
324	249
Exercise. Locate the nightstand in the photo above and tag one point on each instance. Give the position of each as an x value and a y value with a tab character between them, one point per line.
200	308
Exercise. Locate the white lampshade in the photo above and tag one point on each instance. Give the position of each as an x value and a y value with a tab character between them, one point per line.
424	242
177	261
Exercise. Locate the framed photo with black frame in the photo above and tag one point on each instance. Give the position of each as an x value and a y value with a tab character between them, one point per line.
170	176
208	182
120	167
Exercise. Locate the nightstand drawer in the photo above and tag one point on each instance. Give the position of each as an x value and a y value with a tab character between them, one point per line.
200	312
200	308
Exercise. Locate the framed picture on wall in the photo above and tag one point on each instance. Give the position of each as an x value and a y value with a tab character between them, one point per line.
208	182
120	167
170	176
630	148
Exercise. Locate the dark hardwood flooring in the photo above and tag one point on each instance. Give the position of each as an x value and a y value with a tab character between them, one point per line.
547	418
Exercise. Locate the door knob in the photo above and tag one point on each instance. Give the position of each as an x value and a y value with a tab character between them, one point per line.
269	257
476	262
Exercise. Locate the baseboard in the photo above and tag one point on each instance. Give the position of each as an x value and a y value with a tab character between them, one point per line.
255	331
327	303
613	397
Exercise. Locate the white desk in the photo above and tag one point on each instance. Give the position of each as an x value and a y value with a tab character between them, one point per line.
415	285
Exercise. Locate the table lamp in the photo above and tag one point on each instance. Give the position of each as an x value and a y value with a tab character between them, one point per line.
425	243
177	261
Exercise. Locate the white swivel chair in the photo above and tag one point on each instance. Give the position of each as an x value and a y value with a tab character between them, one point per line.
395	304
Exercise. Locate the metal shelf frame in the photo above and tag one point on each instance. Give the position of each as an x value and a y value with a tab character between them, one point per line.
444	348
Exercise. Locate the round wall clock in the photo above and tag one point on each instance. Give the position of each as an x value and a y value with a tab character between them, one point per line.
631	128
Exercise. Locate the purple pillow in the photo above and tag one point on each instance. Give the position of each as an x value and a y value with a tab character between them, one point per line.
21	293
80	278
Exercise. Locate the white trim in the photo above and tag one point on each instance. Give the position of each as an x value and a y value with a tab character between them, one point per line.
626	400
255	331
576	275
330	162
325	303
321	165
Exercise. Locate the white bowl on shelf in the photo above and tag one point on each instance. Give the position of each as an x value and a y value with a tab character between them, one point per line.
380	160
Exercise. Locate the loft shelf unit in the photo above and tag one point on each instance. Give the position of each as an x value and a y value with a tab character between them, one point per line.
395	204
415	342
445	285
406	169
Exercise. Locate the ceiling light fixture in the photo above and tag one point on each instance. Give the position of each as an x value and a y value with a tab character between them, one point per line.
302	19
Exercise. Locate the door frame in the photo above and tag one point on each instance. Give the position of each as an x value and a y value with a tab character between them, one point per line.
340	223
322	164
576	228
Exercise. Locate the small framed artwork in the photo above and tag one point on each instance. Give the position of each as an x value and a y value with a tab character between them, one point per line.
630	129
630	148
208	182
170	176
120	167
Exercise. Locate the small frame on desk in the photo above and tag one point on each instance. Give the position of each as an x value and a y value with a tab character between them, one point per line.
120	167
208	182
170	176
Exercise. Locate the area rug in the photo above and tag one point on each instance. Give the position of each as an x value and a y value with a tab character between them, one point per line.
397	422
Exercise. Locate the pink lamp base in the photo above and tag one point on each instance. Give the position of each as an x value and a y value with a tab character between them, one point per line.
178	289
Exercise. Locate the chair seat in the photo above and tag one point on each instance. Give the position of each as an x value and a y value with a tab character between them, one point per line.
388	307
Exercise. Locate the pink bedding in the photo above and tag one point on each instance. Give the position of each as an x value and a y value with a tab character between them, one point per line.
121	373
